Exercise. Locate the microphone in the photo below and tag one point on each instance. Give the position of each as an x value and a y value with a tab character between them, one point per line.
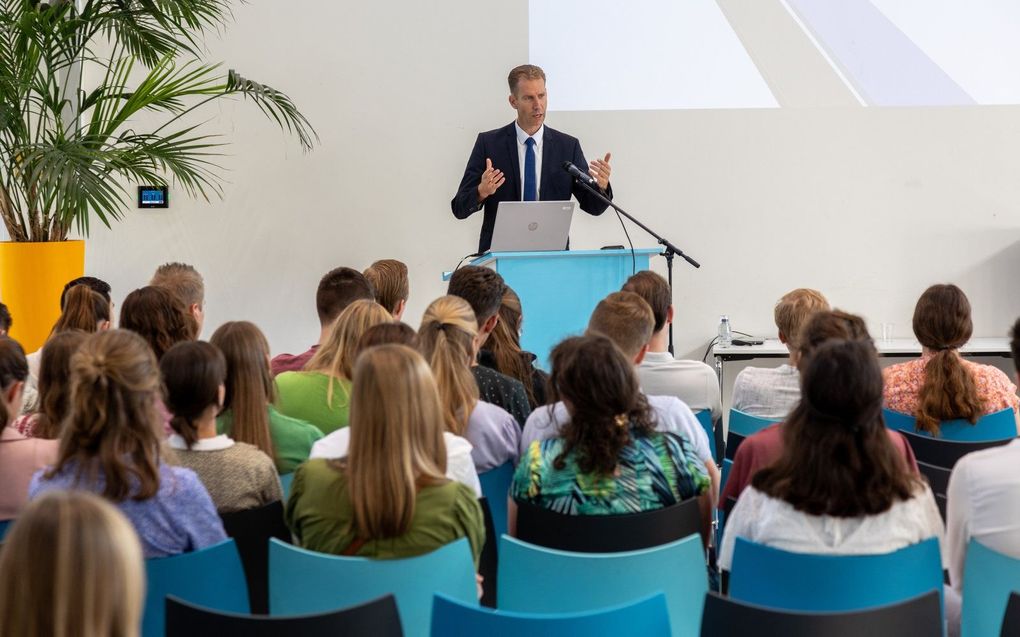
579	174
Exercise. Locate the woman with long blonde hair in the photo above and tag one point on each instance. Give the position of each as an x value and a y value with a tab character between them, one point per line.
389	498
249	414
320	394
448	339
71	565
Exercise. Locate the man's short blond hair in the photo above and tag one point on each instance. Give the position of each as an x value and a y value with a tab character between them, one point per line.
794	309
389	278
183	281
524	72
626	319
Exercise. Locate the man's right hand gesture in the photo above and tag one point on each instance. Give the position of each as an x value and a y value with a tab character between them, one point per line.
492	179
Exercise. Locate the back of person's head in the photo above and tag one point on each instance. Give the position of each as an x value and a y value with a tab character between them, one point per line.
655	291
55	381
446	338
794	309
249	385
1014	345
396	439
838	459
505	343
194	373
626	319
482	288
390	281
338	288
97	285
183	281
13	372
942	323
5	320
337	355
158	316
111	429
825	325
599	387
84	309
395	333
72	565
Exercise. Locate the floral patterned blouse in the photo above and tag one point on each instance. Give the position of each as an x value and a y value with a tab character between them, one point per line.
903	384
654	471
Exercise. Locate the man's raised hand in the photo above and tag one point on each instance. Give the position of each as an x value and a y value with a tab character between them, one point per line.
599	169
491	180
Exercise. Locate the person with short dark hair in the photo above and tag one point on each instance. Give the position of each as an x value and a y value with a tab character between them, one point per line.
186	283
840	485
5	320
483	289
391	283
96	285
337	289
660	374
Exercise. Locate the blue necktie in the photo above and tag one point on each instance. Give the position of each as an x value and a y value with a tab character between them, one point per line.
530	182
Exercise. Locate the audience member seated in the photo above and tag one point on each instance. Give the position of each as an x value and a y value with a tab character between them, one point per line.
184	282
389	498
72	565
110	446
237	475
483	289
608	459
459	464
54	386
159	317
766	447
249	414
660	374
96	285
20	457
941	385
984	490
448	338
390	281
840	486
321	393
773	392
503	350
337	289
5	320
627	320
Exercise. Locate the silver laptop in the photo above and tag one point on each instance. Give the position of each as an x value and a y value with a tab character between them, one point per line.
526	226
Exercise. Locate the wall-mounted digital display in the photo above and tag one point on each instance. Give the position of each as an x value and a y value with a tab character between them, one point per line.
153	197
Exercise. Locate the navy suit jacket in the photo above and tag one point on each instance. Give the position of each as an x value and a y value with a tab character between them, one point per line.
555	184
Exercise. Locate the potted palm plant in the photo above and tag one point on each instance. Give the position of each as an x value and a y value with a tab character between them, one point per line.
95	94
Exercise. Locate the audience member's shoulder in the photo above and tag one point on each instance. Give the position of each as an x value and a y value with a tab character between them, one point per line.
670	405
179	481
491	413
547	415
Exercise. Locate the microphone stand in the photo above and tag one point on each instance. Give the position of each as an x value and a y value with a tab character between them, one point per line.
669	251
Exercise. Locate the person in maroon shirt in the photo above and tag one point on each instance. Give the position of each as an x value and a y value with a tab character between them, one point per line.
765	447
337	289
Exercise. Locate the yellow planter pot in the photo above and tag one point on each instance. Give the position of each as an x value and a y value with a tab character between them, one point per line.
32	275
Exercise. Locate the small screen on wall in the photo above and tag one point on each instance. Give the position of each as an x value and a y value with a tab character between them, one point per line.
153	197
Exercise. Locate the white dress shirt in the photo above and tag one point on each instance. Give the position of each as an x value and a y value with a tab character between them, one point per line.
693	382
522	150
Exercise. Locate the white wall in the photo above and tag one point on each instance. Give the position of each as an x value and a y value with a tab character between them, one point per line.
868	205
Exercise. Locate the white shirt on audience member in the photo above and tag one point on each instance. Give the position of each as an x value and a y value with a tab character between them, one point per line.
669	412
693	382
459	465
767	392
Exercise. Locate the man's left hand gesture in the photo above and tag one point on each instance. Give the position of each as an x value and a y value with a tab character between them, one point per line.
599	169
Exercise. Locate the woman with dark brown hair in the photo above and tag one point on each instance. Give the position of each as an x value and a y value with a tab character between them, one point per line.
54	386
504	354
608	459
159	317
941	385
840	486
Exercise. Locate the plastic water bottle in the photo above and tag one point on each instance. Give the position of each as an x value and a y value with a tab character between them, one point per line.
725	332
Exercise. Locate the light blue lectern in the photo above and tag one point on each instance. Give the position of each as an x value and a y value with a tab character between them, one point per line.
559	290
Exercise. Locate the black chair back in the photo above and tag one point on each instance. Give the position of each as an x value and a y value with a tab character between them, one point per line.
733	441
607	533
917	617
945	453
1011	620
938	477
377	618
488	562
251	530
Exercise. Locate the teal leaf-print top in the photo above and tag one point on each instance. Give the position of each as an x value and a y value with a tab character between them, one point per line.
653	471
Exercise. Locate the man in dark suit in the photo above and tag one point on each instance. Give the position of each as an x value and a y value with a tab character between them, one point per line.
524	160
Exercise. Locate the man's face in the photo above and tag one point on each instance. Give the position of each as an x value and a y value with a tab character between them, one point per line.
529	100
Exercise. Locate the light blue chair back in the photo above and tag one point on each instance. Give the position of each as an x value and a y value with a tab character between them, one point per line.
705	419
745	424
995	426
286	480
212	577
534	579
302	582
495	488
647	617
767	576
988	579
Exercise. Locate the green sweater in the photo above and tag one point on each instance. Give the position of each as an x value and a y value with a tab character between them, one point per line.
320	515
302	395
292	438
